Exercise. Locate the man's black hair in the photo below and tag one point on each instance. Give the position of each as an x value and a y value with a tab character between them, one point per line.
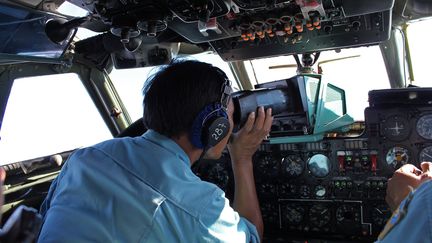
175	95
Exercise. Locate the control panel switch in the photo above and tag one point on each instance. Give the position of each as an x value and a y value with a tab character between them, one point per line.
373	156
211	24
341	160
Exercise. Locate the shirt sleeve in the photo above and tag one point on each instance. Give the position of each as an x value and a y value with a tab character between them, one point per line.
220	223
416	225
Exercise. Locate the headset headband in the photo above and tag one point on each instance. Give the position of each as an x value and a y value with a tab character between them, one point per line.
226	91
224	99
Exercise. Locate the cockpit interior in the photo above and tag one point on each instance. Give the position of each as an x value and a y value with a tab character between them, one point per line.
321	175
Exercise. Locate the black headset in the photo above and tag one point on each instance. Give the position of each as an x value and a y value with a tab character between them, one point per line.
211	125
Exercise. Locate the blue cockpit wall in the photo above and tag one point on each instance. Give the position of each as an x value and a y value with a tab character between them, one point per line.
15	26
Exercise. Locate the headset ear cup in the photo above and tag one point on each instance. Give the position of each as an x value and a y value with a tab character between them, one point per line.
216	130
197	127
206	123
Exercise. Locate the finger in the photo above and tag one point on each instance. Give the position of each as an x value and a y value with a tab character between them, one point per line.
405	173
2	178
417	171
2	175
426	166
268	121
408	179
260	119
249	123
426	176
427	171
409	168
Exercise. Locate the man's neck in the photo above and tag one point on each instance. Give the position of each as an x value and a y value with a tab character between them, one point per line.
192	152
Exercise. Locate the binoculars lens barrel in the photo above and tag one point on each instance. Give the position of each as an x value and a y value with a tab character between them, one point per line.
248	101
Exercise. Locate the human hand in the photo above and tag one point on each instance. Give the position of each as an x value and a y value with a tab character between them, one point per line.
245	142
426	171
405	179
2	179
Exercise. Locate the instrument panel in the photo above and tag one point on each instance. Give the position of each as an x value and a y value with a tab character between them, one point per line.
333	189
244	29
399	125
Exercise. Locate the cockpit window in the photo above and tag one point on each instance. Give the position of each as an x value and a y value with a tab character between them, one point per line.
129	82
334	100
355	70
270	69
421	52
47	115
70	9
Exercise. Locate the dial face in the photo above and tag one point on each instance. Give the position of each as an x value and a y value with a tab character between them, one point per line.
397	156
347	214
304	191
426	154
380	214
270	214
320	191
319	215
268	165
294	214
396	128
319	165
292	165
287	189
267	189
424	126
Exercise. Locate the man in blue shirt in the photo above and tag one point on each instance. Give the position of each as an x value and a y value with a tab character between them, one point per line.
142	189
409	195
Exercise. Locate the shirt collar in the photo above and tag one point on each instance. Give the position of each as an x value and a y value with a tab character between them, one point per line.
168	144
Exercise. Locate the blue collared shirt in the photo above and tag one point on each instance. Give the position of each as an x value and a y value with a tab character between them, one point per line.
412	222
138	190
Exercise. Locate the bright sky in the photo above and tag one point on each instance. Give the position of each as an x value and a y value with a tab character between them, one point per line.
51	112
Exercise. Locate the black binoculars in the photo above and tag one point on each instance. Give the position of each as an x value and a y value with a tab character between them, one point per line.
248	101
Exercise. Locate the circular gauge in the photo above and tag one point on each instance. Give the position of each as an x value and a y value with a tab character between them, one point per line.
287	189
397	156
304	191
396	128
347	214
320	191
268	165
270	213
294	214
267	189
426	154
424	126
292	165
380	214
319	215
319	165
